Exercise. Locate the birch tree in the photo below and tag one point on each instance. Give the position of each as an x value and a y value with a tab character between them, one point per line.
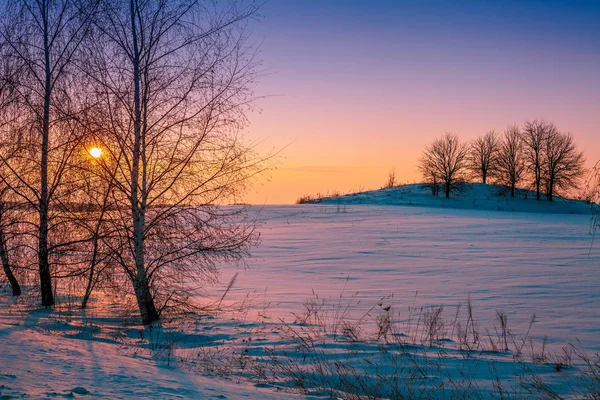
41	39
173	82
9	234
7	223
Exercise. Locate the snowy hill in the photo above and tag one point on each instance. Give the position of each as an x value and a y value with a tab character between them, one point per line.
472	196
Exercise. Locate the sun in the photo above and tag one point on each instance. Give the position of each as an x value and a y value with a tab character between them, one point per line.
96	152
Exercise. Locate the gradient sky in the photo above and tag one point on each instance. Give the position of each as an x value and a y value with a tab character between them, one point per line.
357	88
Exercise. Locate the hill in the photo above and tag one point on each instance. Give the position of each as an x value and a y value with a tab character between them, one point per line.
475	196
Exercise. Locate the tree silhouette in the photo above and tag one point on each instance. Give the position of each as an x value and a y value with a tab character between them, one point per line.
483	156
511	159
534	137
445	160
40	40
172	81
564	165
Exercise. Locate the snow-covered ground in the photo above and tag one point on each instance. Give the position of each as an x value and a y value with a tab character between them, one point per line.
522	263
310	310
471	196
50	355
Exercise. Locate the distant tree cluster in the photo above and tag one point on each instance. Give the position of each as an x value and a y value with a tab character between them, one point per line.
537	155
160	90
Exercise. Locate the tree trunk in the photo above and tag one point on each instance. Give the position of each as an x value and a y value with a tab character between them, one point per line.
550	189
90	284
43	259
537	183
14	284
94	261
512	190
141	285
144	299
447	190
484	174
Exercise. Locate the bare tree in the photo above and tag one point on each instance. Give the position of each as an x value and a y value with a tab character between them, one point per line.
430	175
172	83
535	134
97	203
593	184
6	205
445	160
8	231
564	165
41	38
483	156
511	161
391	180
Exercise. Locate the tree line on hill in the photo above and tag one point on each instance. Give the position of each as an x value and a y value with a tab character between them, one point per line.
160	89
538	156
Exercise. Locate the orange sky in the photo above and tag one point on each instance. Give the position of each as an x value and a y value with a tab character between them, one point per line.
347	104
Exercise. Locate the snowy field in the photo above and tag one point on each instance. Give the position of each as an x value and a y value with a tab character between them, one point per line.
350	300
45	357
522	263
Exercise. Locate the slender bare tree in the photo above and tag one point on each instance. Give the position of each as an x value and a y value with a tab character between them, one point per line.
511	159
9	208
172	83
97	201
534	137
41	39
593	184
564	165
391	180
445	160
430	175
483	156
9	221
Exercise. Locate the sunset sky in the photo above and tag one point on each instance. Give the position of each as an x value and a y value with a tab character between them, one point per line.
358	88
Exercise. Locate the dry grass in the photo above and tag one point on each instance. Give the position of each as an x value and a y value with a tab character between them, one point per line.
328	351
317	198
392	364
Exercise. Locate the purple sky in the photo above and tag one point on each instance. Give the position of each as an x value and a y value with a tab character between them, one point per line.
357	88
